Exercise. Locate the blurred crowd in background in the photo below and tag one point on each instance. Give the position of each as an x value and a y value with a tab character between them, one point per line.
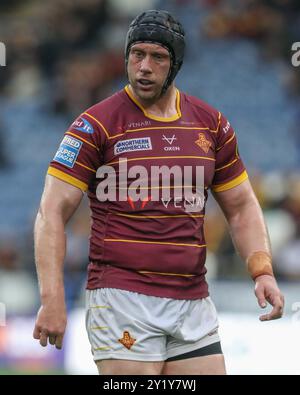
272	24
65	55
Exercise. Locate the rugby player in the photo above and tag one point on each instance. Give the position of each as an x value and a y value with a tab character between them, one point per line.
148	305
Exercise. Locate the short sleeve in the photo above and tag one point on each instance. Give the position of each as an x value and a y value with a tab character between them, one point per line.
79	154
229	170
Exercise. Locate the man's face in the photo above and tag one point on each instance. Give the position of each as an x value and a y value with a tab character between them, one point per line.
148	68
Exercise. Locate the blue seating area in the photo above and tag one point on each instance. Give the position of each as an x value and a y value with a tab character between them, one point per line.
231	76
31	139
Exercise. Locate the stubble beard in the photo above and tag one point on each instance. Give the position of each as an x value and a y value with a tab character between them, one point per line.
149	97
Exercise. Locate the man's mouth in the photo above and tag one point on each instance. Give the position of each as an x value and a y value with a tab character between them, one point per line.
144	82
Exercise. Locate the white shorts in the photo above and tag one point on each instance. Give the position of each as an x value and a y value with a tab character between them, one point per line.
128	325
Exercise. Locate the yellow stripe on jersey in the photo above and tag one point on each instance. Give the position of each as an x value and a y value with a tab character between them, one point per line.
93	328
164	128
156	187
98	122
178	103
229	164
102	348
100	307
160	216
219	121
86	167
226	142
67	178
167	274
116	135
152	116
82	139
231	184
155	242
157	128
161	157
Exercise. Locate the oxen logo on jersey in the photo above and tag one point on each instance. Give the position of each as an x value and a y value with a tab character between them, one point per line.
130	145
127	340
83	125
170	141
68	151
203	143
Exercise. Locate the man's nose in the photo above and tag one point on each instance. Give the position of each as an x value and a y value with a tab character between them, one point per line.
146	64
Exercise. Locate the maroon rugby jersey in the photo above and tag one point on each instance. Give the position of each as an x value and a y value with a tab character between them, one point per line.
151	246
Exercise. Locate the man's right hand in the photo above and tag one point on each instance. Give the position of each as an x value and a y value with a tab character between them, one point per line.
51	324
59	202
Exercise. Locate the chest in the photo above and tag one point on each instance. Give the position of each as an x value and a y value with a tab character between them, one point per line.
185	148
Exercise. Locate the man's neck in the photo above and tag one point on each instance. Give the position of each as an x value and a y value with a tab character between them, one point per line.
164	107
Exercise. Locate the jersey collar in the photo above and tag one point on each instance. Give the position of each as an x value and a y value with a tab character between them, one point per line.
154	117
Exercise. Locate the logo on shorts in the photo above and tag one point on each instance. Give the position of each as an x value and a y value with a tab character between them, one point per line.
203	143
127	340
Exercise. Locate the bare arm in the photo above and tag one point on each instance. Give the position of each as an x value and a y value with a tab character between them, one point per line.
58	203
245	219
249	234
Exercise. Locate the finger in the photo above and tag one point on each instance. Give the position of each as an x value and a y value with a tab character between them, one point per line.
276	312
36	333
262	303
273	315
52	339
43	339
59	341
261	298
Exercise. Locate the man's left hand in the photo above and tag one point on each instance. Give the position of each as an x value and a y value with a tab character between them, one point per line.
266	290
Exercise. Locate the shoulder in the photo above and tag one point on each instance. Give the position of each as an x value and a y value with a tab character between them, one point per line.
201	109
201	105
108	113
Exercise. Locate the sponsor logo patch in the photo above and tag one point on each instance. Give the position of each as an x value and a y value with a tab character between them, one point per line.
68	151
140	124
203	143
83	125
227	127
170	141
127	340
130	145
